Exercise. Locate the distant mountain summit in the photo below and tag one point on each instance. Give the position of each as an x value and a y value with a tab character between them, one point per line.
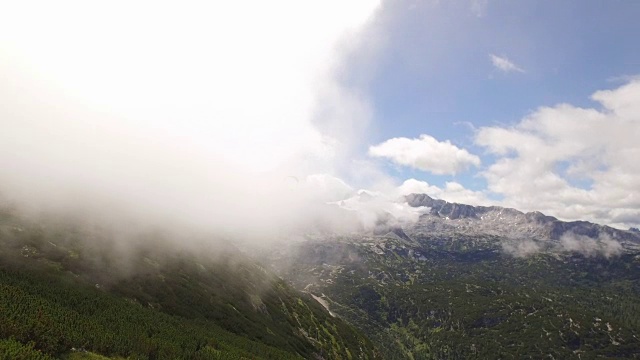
446	217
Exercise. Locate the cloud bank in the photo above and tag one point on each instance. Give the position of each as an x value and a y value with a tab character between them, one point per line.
572	162
451	192
196	113
427	154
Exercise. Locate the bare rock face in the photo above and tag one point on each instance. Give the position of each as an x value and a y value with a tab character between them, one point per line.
445	217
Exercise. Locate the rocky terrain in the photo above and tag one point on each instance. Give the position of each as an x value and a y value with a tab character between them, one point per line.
445	217
477	282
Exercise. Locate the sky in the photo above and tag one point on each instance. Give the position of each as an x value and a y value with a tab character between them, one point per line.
224	112
528	104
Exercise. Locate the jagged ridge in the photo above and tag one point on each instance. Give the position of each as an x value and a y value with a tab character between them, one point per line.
444	216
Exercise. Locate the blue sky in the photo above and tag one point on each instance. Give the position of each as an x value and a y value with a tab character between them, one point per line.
434	74
435	68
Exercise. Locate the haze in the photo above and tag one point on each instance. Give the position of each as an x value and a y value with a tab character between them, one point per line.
202	112
250	116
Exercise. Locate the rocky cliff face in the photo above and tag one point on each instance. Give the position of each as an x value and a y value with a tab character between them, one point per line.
445	217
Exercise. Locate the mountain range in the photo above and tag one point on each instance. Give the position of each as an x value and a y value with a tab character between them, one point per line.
463	281
429	280
444	216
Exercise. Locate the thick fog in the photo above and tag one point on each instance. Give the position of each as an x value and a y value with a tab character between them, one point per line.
225	117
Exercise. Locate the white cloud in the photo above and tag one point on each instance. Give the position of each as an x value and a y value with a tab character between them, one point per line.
452	192
198	110
382	206
413	186
568	243
231	76
603	246
572	162
479	7
373	207
503	64
325	187
521	248
427	154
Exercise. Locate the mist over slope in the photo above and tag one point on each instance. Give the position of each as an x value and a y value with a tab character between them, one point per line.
154	295
195	115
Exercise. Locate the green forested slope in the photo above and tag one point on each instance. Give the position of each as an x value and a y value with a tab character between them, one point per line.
63	288
460	298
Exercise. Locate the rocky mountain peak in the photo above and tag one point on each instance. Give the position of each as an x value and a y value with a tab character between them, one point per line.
446	217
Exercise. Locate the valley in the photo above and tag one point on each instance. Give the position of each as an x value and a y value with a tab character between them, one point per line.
462	282
445	288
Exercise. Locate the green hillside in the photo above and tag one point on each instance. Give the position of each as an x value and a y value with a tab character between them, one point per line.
462	297
72	292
